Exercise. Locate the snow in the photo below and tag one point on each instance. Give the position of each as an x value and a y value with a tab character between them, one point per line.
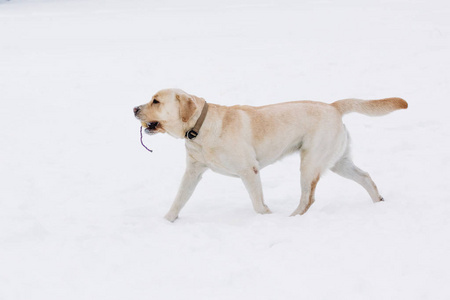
82	203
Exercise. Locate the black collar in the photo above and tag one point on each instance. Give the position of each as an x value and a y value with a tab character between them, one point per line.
193	132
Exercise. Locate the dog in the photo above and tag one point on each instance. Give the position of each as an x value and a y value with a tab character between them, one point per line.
240	140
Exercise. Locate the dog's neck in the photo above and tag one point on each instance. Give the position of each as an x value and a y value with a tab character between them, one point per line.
194	131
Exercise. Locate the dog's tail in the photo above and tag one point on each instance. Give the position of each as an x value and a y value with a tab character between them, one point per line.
370	107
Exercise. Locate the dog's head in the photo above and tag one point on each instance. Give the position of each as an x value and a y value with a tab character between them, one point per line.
170	110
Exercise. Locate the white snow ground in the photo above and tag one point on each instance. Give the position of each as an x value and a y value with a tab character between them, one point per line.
82	203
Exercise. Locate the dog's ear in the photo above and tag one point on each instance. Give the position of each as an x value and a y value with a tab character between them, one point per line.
187	106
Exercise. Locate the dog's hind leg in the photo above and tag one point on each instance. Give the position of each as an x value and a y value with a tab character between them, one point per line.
310	175
346	168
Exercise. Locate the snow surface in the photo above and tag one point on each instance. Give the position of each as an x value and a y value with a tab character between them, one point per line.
82	203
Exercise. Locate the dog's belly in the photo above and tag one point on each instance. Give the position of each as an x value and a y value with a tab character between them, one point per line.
232	159
223	171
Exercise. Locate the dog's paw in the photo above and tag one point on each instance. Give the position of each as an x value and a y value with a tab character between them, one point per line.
171	217
264	210
380	199
295	213
299	211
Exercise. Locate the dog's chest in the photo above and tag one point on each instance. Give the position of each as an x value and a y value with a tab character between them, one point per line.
214	158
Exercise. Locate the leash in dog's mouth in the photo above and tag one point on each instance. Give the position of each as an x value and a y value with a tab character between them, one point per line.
142	142
151	126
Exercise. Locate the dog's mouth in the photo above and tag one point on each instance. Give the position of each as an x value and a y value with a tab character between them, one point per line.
151	127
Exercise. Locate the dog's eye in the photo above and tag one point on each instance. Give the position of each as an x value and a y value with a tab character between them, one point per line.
155	101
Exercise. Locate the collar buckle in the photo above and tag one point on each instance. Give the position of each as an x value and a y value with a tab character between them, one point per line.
191	134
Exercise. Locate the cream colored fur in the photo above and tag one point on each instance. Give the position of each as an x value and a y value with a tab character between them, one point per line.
241	140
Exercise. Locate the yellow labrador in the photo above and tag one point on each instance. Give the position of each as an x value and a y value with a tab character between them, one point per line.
241	140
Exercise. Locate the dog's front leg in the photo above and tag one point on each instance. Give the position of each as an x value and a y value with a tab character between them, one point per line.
252	182
192	176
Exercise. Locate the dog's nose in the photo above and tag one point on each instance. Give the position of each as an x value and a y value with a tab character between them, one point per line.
136	110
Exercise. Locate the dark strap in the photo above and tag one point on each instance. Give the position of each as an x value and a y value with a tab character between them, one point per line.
192	134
